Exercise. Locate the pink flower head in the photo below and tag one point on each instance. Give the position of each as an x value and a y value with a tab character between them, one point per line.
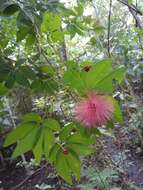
94	111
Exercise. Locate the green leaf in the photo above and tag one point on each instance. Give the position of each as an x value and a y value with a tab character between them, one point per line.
117	114
27	143
53	152
10	80
74	28
98	28
49	141
36	86
20	132
74	163
24	20
22	33
65	132
105	84
51	22
3	89
130	2
110	125
93	41
21	79
63	168
79	9
46	69
5	69
38	149
80	149
52	124
27	72
31	117
30	40
57	36
78	138
72	65
10	8
50	87
23	74
74	80
98	72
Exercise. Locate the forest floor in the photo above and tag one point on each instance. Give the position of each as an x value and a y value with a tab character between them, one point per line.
119	152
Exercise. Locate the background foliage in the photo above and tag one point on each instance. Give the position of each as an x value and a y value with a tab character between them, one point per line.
44	46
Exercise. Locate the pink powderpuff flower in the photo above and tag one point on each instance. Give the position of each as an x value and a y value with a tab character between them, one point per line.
95	110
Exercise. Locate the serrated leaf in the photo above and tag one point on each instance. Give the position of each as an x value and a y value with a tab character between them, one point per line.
20	132
27	143
52	124
31	117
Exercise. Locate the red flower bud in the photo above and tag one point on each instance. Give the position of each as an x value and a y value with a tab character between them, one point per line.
65	151
86	68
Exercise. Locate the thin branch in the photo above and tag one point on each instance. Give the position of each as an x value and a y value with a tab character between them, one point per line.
136	12
40	48
138	24
109	27
63	49
133	7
